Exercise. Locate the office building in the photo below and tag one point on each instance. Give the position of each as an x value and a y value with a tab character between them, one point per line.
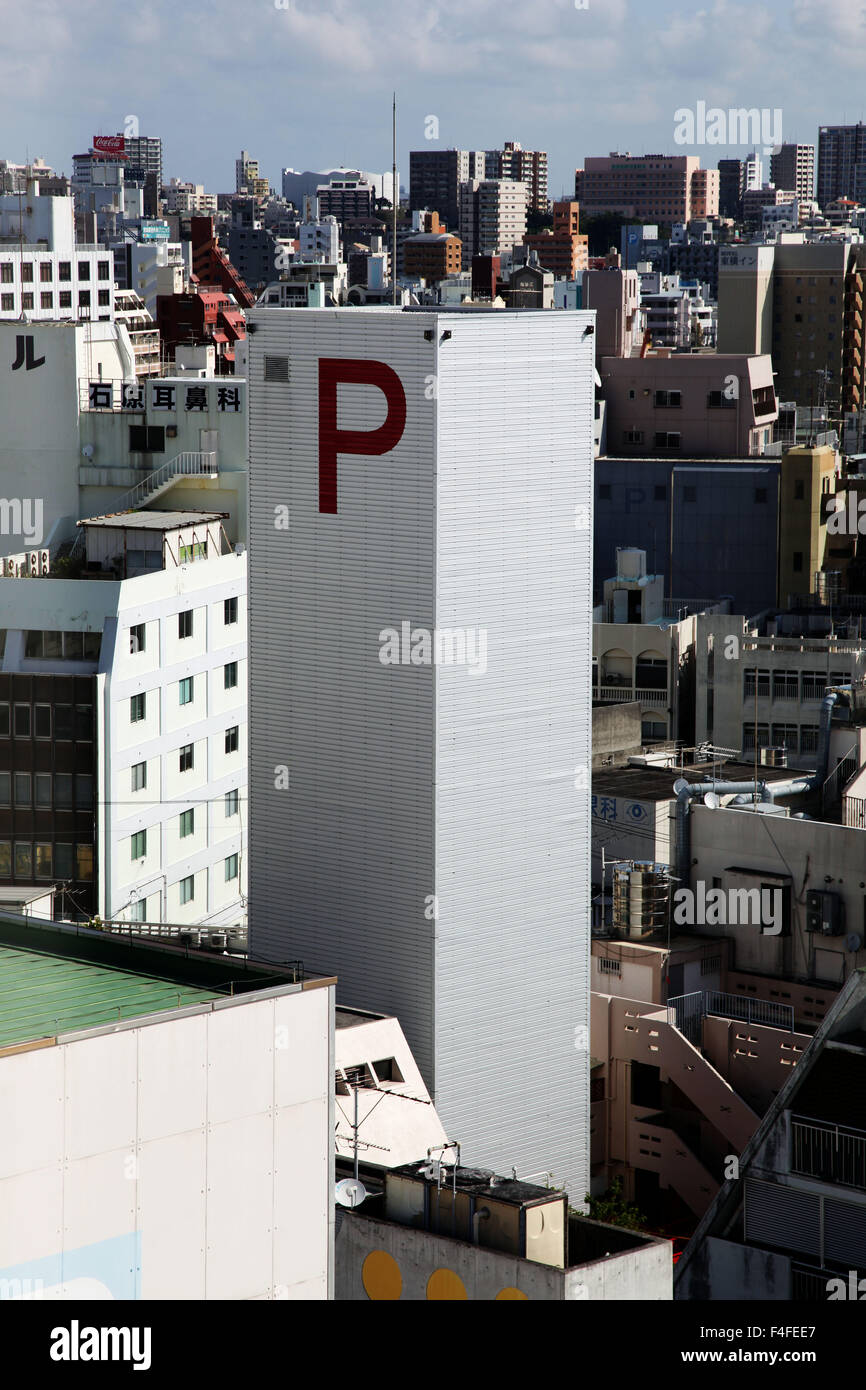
562	249
660	188
841	163
415	814
524	166
793	166
492	216
435	177
247	177
44	273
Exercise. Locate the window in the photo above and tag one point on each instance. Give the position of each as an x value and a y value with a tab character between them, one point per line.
749	737
27	272
46	301
137	639
84	270
196	551
63	789
27	301
786	736
43	861
138	777
232	800
138	845
187	889
42	720
609	966
45	272
187	823
668	400
230	675
808	738
23	793
231	867
147	439
83	790
22	721
7	303
43	788
814	685
23	860
63	861
4	719
84	723
230	611
387	1070
632	436
232	740
65	298
184	624
786	685
63	721
6	273
138	910
104	297
137	708
84	299
84	863
5	859
719	400
5	788
666	440
102	268
64	269
185	689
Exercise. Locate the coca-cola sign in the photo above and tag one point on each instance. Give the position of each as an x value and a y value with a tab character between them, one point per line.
110	144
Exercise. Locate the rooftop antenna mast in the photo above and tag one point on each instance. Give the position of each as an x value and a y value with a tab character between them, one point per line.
394	199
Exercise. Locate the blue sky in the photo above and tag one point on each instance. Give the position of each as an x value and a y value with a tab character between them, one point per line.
308	84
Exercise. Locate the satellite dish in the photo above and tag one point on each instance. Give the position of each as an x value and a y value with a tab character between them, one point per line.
712	801
350	1192
853	942
679	785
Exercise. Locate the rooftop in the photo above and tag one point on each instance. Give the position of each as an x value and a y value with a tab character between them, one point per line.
59	979
152	521
657	783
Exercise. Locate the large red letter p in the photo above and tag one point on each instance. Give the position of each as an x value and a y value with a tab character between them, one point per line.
334	441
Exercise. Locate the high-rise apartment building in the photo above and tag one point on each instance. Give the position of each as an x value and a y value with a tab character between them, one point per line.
435	177
247	177
419	816
144	158
793	166
525	166
492	216
731	185
841	163
661	188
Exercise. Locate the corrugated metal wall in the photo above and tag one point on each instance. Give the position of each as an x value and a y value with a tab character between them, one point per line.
411	783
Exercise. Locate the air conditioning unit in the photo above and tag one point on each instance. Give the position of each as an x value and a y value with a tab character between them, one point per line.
825	913
34	563
44	561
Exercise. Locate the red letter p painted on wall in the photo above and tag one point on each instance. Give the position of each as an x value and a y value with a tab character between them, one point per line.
334	441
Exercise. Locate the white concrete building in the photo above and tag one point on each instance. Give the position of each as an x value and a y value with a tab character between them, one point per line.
320	241
189	197
44	274
147	1110
165	611
492	216
434	831
107	432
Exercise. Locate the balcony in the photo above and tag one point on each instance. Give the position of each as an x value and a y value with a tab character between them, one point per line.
833	1153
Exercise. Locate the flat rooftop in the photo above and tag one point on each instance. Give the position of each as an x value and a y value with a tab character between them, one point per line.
58	979
657	783
152	521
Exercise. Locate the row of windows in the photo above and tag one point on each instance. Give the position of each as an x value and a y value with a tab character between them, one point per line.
186	889
789	685
25	861
186	694
660	492
46	271
795	738
36	788
62	646
185	620
138	844
36	721
46	300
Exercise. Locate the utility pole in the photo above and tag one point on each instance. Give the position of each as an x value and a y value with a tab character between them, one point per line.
395	198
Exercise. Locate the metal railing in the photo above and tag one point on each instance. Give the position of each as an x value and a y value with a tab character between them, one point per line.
686	1012
190	464
687	607
834	1153
651	697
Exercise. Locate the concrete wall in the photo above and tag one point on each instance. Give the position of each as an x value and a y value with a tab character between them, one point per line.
616	733
377	1260
188	1157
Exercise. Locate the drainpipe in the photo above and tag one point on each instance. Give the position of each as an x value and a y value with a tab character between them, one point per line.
483	1214
814	782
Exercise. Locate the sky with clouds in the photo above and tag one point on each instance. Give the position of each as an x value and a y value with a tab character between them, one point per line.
307	83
